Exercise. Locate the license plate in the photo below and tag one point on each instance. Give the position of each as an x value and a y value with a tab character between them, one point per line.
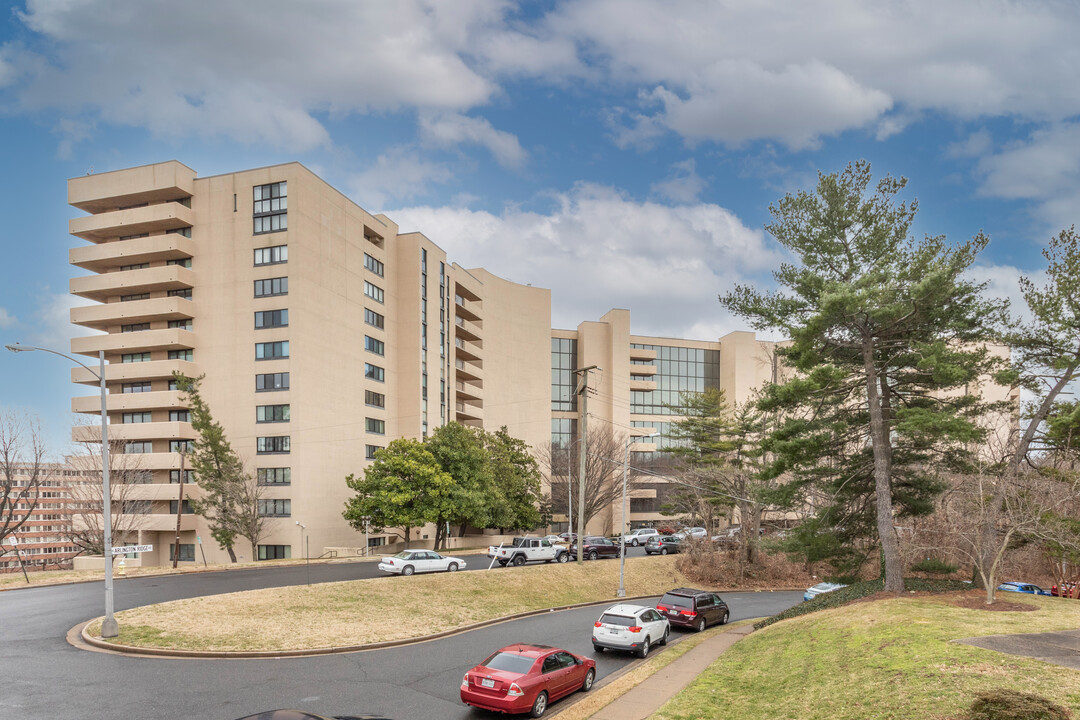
487	683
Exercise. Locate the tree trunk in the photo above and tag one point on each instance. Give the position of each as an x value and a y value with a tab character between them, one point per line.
232	554
879	435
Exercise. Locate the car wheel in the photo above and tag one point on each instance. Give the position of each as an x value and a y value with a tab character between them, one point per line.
589	678
518	561
644	648
723	620
593	555
634	542
663	640
539	704
407	570
563	557
663	551
701	625
452	567
503	563
597	649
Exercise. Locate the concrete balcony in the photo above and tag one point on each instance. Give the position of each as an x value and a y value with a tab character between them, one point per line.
643	369
131	342
642	384
467	329
467	350
147	184
467	392
159	522
110	255
135	431
468	414
132	282
162	491
133	221
649	446
642	354
130	402
107	315
467	371
467	309
132	372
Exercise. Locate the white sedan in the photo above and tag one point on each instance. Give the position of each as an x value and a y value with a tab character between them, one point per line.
630	627
408	562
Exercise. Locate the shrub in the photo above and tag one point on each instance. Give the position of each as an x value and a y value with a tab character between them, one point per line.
1013	705
934	567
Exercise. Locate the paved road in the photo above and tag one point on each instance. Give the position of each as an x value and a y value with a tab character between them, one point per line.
45	678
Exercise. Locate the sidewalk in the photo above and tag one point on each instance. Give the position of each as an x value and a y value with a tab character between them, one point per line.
647	697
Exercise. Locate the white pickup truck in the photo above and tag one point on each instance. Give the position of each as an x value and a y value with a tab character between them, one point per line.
527	549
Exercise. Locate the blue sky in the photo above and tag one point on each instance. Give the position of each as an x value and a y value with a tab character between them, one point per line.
621	152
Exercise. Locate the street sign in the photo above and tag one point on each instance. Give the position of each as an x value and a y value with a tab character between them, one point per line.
125	549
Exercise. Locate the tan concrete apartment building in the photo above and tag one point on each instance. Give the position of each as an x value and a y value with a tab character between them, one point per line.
323	333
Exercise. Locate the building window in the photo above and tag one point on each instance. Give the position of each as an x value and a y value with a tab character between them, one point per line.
272	350
374	399
182	354
376	426
563	363
373	265
187	551
275	552
184	293
270	210
182	262
185	231
275	508
373	345
135	327
174	477
136	417
185	446
180	324
269	382
373	318
274	476
373	291
272	413
172	384
272	444
678	370
271	319
136	296
179	416
137	387
374	372
136	266
138	448
135	357
370	450
271	287
186	510
271	255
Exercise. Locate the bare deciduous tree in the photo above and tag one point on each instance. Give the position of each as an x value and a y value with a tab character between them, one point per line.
24	470
127	471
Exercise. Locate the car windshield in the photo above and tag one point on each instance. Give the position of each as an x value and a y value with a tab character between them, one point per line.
682	601
509	662
623	620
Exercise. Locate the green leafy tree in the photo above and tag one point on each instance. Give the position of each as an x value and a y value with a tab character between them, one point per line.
231	495
404	488
885	332
461	453
518	499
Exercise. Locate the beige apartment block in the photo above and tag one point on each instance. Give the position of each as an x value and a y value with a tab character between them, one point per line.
324	332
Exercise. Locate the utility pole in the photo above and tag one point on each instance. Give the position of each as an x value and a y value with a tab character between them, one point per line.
179	508
583	454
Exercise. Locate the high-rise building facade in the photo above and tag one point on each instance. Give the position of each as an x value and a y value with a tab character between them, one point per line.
323	332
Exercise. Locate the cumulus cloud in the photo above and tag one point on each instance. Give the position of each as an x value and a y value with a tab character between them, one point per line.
683	185
7	320
595	248
399	174
443	129
51	326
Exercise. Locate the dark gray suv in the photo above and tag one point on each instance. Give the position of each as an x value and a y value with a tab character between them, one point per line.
690	608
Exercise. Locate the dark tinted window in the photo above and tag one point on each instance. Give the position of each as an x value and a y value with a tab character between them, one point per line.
704	601
550	663
681	601
620	620
566	659
509	662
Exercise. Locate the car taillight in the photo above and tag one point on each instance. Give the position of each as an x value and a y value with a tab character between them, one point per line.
465	681
662	608
688	613
514	690
598	624
635	629
390	561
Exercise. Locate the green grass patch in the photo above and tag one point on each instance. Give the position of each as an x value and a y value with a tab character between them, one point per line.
889	658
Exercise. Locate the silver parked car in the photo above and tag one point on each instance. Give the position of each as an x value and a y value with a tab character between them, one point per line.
639	536
630	627
408	562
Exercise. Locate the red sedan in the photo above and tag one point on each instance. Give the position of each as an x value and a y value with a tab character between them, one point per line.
526	679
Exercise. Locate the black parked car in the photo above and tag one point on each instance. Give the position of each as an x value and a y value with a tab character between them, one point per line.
663	544
595	547
689	608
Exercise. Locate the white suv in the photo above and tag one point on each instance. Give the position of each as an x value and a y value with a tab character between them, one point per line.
639	536
630	627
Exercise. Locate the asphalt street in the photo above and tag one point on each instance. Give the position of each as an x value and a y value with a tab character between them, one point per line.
46	678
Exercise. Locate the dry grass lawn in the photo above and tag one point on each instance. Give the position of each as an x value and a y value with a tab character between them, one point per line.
360	612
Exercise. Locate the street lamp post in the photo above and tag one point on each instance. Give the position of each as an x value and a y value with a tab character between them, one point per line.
307	558
622	531
109	626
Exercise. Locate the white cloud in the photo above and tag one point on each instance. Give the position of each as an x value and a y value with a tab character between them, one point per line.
597	249
443	129
684	185
399	174
7	320
976	145
52	326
